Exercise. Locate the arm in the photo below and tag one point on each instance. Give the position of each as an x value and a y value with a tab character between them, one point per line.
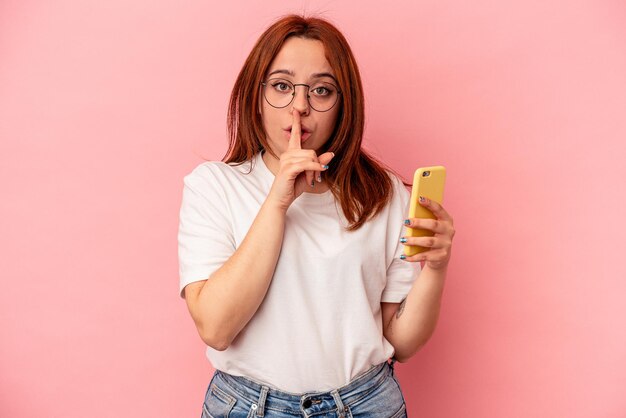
409	325
224	304
416	317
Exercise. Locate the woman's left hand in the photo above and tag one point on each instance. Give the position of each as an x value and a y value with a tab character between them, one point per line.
440	245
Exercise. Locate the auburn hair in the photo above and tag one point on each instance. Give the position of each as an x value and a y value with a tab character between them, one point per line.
360	182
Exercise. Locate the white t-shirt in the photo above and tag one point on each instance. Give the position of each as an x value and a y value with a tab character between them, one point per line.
320	323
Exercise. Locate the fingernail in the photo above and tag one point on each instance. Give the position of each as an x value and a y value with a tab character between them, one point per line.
313	183
325	167
406	221
422	199
402	239
332	153
319	178
402	257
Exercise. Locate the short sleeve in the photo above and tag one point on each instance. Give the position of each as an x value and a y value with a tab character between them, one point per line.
400	274
205	233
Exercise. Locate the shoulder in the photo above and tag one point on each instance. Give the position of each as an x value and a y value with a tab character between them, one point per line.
215	168
204	178
210	175
400	190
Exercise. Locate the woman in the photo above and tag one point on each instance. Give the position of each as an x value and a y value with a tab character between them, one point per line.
298	232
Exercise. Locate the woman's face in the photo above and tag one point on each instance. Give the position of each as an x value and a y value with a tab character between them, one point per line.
299	61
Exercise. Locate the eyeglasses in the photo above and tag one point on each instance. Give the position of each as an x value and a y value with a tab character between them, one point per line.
279	93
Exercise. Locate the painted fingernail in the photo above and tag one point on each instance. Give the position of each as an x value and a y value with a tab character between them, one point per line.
319	178
402	239
313	183
325	166
407	221
402	257
422	199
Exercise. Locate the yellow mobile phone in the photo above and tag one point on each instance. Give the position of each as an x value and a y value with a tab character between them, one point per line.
427	182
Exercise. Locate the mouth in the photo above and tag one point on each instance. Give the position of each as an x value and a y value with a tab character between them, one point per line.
306	133
303	129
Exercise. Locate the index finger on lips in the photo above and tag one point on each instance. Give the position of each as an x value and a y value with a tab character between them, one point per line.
436	209
296	136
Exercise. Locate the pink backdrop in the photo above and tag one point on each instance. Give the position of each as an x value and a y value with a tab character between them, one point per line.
105	106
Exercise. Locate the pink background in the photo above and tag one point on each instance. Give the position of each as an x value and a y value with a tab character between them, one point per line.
105	106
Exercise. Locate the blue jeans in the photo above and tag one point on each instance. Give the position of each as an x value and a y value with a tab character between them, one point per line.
375	393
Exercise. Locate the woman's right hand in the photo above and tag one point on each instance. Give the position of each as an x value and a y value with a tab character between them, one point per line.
298	168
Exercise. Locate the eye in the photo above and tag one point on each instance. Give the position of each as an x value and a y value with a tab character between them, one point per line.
281	86
322	90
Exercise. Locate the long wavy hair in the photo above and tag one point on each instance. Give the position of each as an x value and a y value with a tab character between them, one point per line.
357	180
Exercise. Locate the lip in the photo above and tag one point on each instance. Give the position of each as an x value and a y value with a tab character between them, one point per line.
302	128
305	135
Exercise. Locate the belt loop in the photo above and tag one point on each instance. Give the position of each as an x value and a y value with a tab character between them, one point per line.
260	412
339	402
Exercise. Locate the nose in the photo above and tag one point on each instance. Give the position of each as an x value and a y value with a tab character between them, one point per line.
301	101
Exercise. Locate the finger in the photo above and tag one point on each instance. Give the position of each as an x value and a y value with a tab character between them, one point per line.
295	140
417	257
428	242
307	155
307	172
324	159
303	165
430	255
298	165
435	225
435	208
307	167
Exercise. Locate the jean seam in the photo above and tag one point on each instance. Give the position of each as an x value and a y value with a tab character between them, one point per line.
223	395
381	380
244	396
400	411
205	411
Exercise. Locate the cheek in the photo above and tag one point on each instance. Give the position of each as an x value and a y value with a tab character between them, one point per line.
270	121
330	124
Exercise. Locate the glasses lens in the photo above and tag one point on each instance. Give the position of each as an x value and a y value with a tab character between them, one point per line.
322	96
280	92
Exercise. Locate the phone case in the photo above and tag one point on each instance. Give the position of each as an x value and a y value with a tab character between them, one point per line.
428	182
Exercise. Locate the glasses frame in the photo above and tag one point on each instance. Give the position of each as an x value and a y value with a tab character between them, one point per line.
293	95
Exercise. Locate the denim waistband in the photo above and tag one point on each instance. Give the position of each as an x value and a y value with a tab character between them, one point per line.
261	393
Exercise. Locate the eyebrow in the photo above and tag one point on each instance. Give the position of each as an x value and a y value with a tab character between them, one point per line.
315	75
